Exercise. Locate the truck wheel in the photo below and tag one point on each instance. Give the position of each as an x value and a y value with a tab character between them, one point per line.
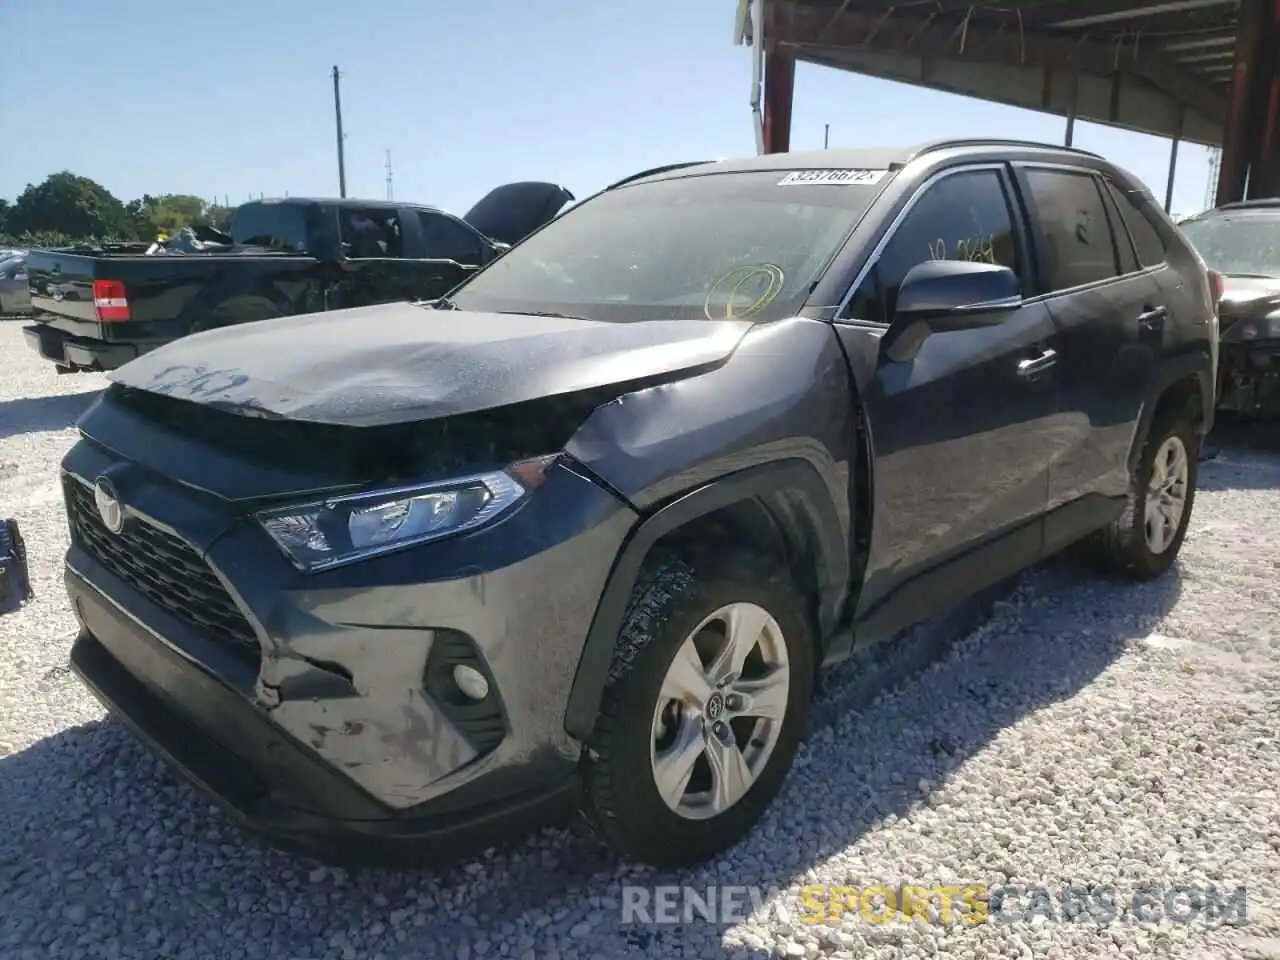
1143	542
705	705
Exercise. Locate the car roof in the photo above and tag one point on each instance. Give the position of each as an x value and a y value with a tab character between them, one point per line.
347	202
1245	208
863	158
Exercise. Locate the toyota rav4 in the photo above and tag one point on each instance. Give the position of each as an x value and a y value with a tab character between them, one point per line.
409	577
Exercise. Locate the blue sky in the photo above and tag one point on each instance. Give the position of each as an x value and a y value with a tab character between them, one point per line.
234	98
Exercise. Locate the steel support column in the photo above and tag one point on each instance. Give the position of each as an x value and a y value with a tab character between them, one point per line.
779	86
1267	170
1249	140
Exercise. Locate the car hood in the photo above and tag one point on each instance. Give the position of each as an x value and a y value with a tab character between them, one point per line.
1245	298
403	362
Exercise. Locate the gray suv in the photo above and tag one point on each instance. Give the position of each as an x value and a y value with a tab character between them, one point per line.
407	578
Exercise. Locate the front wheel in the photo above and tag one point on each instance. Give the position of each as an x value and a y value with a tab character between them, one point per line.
706	702
1143	542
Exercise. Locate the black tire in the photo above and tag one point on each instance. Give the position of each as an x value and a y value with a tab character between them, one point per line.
673	596
1121	548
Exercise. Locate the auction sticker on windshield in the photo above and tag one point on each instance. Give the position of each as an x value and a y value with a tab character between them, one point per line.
796	177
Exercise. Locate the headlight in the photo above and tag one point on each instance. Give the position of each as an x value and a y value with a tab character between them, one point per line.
319	535
1268	328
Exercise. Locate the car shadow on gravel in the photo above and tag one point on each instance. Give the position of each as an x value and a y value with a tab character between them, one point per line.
40	414
88	817
1246	456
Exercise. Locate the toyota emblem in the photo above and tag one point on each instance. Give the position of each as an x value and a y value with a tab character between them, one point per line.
108	503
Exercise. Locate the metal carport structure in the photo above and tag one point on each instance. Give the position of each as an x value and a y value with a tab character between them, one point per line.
1202	71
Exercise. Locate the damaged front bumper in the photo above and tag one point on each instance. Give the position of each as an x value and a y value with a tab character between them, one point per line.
317	709
1249	377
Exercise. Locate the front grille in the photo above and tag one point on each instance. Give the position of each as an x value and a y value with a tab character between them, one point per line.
162	568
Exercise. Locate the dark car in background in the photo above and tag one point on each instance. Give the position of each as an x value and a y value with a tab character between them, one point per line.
1241	242
580	535
99	309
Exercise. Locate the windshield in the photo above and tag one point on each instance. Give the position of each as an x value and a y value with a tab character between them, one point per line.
722	246
1245	243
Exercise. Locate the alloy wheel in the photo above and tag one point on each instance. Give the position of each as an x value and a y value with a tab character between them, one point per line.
1166	495
720	711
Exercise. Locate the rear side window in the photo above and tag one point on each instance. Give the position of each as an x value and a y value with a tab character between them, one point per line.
279	226
964	216
1145	236
1078	245
445	239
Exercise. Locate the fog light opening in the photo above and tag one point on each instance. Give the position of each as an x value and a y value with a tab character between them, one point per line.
470	681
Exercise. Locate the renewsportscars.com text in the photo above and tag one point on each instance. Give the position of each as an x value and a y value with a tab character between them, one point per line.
970	904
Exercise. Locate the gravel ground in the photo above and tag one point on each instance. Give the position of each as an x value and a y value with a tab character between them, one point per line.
1089	733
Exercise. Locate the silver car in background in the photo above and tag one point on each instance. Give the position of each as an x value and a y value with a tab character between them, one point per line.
15	297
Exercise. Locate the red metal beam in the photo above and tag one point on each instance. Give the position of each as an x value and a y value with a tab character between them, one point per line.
1267	176
779	85
1249	149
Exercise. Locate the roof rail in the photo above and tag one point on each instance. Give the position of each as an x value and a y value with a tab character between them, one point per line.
935	145
654	171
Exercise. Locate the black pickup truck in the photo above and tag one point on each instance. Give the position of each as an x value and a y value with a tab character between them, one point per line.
97	309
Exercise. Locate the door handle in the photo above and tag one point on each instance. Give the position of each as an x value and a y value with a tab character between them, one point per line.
1152	318
1033	365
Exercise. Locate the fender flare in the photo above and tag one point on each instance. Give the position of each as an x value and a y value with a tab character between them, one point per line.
793	475
1167	374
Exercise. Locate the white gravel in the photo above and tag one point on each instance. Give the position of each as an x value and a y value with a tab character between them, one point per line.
1091	733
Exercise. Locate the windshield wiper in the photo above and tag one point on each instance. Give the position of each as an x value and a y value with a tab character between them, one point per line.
542	313
443	303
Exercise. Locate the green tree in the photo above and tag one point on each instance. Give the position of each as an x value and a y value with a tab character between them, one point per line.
169	212
71	205
216	215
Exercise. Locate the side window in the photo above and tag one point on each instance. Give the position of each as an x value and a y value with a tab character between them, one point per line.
964	216
1145	236
369	234
1079	248
1120	233
443	239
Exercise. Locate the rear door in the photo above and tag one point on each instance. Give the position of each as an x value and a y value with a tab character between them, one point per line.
1109	311
962	431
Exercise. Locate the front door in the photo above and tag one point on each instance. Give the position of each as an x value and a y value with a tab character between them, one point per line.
962	431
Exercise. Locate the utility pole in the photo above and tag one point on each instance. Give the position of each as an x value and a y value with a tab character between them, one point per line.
826	135
337	113
389	196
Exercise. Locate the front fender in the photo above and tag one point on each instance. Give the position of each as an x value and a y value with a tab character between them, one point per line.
774	423
796	477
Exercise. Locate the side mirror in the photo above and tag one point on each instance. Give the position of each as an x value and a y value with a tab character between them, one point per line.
940	296
958	294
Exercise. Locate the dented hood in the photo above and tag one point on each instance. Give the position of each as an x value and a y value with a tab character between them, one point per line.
400	362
